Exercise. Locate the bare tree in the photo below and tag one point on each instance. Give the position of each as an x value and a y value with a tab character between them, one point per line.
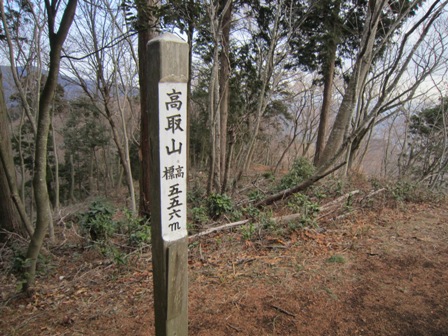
57	36
13	216
304	119
101	31
390	96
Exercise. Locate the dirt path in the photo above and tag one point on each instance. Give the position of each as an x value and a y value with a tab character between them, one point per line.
370	274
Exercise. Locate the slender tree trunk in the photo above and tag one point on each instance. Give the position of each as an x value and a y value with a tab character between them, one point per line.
224	78
56	204
91	165
123	152
265	91
213	181
44	215
22	161
72	180
190	35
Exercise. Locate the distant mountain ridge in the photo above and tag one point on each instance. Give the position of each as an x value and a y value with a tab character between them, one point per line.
71	89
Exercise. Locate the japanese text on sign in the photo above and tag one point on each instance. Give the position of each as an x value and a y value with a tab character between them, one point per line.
173	160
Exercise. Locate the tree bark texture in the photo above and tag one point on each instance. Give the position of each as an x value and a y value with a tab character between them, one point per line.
224	79
147	31
351	95
43	207
9	214
326	103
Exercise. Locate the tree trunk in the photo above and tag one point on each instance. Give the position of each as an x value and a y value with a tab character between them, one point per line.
351	95
56	172
147	31
10	218
326	103
224	78
43	208
213	120
265	92
72	180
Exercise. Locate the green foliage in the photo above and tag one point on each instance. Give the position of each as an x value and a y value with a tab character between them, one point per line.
308	209
269	176
19	265
266	221
84	135
138	229
255	195
219	204
195	196
112	252
251	212
199	215
301	169
337	259
97	221
422	158
376	184
406	191
247	231
402	190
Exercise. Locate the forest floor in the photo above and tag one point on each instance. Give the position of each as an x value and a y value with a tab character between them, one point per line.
377	270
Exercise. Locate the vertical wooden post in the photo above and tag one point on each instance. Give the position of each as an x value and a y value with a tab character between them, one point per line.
167	113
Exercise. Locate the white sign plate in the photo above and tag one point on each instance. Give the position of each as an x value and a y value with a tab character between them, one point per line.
173	159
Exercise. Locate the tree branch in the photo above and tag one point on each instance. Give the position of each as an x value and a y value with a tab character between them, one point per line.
285	193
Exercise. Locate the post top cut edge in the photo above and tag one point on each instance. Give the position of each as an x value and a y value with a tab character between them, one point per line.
167	37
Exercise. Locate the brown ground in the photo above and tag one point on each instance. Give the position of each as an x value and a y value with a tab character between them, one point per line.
372	273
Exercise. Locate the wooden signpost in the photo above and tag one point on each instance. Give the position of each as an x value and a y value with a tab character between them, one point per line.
167	114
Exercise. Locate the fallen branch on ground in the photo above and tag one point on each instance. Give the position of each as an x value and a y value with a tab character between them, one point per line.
284	311
280	219
288	192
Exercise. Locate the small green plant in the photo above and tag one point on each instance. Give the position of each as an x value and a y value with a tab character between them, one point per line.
219	204
251	212
112	252
319	192
302	204
199	215
266	221
337	259
255	195
348	206
247	231
376	184
402	190
97	221
269	176
301	169
138	229
195	196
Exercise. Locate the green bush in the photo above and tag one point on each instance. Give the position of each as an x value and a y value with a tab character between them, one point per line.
301	169
219	204
406	191
199	215
195	196
255	195
97	221
138	229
